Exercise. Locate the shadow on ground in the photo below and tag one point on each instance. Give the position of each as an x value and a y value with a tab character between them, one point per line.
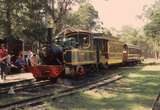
137	91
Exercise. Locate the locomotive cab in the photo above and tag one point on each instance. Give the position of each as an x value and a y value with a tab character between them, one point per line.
74	40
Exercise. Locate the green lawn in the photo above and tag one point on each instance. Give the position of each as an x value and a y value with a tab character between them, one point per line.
136	91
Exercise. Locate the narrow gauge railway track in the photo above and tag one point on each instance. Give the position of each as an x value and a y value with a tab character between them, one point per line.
23	86
17	83
20	85
37	100
26	84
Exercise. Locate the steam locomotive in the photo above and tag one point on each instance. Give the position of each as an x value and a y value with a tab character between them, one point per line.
76	52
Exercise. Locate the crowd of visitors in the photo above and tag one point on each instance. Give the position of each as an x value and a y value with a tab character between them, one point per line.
21	63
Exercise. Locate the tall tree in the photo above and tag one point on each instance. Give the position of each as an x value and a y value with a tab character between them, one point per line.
33	19
152	28
8	10
58	9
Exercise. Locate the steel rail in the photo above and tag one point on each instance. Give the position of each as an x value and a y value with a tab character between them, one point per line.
40	99
24	86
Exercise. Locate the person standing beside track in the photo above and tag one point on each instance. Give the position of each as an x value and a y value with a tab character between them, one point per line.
3	62
34	60
29	56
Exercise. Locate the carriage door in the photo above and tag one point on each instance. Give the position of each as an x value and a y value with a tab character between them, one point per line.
101	50
104	51
97	48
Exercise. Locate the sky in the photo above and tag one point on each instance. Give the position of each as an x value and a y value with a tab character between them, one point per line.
118	13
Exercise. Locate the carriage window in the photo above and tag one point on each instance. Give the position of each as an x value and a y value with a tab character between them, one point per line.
70	42
115	47
85	42
102	44
75	41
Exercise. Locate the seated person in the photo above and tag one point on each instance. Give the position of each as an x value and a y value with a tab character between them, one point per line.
20	62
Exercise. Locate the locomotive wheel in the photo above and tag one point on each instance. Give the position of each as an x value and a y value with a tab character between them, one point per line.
80	70
39	79
54	80
103	66
124	64
92	68
63	74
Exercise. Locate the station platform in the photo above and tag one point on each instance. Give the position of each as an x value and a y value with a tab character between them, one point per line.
17	78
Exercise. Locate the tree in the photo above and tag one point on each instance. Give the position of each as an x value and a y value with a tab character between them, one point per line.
9	10
86	17
137	37
23	19
152	28
107	32
29	17
58	9
130	35
32	16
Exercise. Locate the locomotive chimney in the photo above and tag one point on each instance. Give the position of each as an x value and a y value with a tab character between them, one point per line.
49	36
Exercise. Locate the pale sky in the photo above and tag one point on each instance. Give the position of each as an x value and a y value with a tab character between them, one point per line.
117	13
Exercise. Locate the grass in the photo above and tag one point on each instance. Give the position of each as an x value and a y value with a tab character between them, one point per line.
137	91
6	99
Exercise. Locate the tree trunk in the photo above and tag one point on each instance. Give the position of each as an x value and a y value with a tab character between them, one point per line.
156	55
8	27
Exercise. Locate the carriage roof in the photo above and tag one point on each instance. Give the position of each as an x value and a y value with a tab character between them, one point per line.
100	36
133	46
69	32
